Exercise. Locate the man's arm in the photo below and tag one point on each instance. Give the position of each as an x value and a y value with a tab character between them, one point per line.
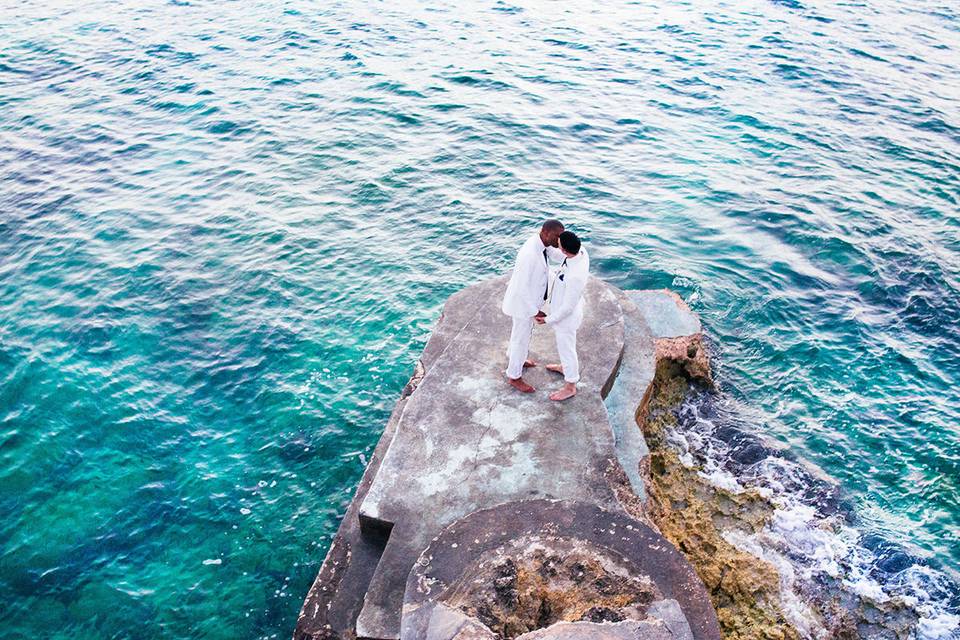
531	265
524	276
571	297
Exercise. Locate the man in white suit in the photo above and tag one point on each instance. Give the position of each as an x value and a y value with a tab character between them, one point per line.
566	312
526	293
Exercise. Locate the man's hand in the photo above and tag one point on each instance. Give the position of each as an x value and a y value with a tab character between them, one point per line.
540	318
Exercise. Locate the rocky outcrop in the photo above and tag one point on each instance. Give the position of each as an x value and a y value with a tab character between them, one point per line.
692	513
530	565
701	518
485	513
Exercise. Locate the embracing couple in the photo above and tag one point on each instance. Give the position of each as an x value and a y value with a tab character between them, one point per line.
531	291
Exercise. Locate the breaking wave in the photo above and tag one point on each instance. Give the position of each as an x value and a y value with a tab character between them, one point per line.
821	548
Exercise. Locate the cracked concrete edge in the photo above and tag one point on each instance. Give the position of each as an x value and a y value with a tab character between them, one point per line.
681	322
636	365
313	621
686	349
677	349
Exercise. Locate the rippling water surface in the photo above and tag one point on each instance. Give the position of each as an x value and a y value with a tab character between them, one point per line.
227	228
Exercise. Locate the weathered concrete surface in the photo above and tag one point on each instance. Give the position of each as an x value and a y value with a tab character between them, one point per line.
665	313
671	614
637	368
468	441
655	323
461	440
624	630
676	331
522	564
447	623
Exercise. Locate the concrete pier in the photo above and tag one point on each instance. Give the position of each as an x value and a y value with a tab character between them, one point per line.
487	513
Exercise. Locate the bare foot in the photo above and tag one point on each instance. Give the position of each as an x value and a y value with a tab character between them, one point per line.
520	385
529	363
556	368
566	391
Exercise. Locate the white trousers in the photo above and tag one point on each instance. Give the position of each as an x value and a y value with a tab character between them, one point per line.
519	346
566	335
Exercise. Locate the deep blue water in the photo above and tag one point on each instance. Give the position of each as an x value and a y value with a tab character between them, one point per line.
226	230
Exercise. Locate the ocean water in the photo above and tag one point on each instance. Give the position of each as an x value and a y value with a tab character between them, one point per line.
226	230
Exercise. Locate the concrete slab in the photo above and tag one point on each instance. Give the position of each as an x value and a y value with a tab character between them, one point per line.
667	315
468	441
670	612
446	623
625	630
637	368
334	601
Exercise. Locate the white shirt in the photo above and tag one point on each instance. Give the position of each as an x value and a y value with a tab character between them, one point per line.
528	282
566	300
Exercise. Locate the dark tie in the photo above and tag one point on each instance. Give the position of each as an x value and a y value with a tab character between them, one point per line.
547	262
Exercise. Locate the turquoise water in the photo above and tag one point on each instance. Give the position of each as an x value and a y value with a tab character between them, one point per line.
226	230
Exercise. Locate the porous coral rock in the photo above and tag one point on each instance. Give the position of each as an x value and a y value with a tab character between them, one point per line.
530	591
687	509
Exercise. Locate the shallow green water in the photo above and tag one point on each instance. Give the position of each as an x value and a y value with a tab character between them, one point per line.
226	232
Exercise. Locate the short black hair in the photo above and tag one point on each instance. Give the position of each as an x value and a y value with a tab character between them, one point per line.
552	225
570	242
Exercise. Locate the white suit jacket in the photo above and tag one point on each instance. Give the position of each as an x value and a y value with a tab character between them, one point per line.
528	282
566	300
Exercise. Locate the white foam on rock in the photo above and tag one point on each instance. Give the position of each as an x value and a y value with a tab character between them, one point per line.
803	544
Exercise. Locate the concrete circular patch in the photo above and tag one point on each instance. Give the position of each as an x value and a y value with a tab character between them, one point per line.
549	569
